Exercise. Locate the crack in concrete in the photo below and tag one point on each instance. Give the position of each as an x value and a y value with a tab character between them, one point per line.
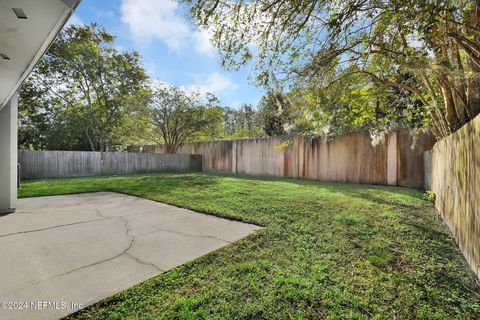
68	272
123	253
128	234
133	238
98	212
52	227
178	232
138	260
191	235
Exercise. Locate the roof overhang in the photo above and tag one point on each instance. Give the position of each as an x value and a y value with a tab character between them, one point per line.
25	35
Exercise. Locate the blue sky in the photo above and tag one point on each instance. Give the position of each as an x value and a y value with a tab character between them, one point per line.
172	49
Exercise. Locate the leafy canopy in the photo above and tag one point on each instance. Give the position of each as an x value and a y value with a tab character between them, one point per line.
429	48
180	116
84	94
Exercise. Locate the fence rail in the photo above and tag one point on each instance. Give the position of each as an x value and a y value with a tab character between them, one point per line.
63	164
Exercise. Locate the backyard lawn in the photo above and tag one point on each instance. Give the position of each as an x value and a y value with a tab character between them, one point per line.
328	250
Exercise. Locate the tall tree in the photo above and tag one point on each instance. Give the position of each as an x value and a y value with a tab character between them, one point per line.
275	108
245	122
435	42
355	104
248	120
33	120
180	116
229	121
92	94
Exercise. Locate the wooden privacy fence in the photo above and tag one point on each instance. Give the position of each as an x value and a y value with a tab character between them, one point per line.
453	174
62	164
350	158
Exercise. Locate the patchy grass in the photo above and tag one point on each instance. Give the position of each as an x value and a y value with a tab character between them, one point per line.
328	250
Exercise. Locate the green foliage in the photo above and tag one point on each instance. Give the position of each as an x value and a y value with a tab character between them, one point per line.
275	108
180	116
245	122
327	251
352	105
429	196
33	121
84	94
429	50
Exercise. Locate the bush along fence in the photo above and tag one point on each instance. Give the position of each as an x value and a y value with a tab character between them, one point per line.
351	158
453	175
62	164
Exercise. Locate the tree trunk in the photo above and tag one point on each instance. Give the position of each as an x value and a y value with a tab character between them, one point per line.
90	141
473	83
450	111
170	148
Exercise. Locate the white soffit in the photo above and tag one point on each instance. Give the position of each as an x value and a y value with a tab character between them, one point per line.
27	28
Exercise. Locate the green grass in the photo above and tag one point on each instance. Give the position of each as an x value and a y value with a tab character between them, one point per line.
332	251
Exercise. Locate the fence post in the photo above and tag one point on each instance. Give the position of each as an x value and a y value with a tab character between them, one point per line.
427	165
392	159
234	157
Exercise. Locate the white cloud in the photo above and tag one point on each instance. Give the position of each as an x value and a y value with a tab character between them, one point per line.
148	19
74	20
203	44
161	19
152	68
213	82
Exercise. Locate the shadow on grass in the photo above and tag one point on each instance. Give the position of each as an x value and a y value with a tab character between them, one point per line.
140	184
352	190
165	183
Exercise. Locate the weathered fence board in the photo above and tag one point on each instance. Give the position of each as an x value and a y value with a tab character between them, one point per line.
62	164
454	177
350	158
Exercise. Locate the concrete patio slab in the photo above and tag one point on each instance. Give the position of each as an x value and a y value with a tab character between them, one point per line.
62	253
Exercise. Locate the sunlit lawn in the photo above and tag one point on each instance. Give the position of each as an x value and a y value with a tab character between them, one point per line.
328	250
